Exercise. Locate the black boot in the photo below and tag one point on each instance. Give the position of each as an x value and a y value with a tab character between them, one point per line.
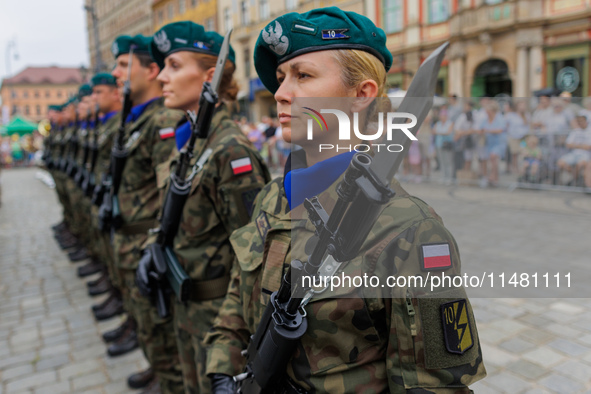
59	227
141	379
92	283
78	255
153	387
115	334
112	308
91	268
126	343
102	287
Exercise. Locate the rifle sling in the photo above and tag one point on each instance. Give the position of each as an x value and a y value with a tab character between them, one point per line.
203	290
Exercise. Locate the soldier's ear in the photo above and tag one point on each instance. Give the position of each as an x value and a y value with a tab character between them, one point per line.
209	74
153	71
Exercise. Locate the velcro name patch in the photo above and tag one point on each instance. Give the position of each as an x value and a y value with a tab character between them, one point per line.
435	257
166	133
457	329
241	166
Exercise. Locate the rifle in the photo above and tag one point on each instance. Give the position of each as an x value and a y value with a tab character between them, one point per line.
82	173
89	180
362	193
160	255
72	166
110	212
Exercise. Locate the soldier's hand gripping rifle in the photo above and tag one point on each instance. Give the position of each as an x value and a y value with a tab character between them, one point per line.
109	212
72	166
159	263
82	172
89	180
339	237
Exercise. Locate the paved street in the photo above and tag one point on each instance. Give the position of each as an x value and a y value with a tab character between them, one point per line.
50	343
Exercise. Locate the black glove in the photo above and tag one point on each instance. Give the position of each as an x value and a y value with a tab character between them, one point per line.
222	384
142	274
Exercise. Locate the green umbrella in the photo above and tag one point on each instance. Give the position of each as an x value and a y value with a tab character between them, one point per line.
20	126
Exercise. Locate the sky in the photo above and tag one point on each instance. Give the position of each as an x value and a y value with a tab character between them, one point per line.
46	32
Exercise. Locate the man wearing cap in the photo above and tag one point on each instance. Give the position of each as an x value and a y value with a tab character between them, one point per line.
149	142
106	95
68	238
79	202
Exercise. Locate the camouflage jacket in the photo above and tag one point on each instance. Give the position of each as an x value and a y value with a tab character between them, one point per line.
106	133
56	143
220	201
138	194
368	339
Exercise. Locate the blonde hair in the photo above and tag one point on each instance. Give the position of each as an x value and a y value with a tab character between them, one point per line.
358	65
228	86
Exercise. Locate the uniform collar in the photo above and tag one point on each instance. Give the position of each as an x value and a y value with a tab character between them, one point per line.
139	109
107	116
301	182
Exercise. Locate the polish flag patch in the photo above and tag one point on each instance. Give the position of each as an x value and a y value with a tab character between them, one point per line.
166	133
241	166
435	257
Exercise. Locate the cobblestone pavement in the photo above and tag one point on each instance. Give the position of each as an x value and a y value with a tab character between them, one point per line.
50	343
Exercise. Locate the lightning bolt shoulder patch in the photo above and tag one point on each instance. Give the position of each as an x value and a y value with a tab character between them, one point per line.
457	329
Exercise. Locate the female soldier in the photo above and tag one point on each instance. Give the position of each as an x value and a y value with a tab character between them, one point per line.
222	193
366	341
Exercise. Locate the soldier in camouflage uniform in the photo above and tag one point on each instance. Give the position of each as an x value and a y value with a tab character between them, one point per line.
68	238
80	203
106	94
358	339
149	131
222	193
56	121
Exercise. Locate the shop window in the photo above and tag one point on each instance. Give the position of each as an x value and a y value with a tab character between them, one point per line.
227	19
291	4
182	6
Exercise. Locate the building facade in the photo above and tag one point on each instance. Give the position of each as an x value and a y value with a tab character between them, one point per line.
31	91
498	47
115	18
203	12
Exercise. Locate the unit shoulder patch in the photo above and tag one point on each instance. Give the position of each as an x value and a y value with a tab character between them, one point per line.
457	329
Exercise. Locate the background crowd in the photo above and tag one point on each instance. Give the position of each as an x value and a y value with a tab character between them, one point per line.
17	151
544	140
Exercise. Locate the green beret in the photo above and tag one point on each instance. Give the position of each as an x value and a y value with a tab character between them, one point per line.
123	44
84	90
294	34
54	107
71	100
103	79
186	36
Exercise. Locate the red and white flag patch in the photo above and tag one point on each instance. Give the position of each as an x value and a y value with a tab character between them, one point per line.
241	166
166	133
435	257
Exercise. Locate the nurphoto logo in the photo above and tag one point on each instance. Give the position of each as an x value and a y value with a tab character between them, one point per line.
394	121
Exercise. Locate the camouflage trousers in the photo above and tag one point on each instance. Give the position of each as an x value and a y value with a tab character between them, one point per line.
191	323
79	210
104	249
155	335
60	187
